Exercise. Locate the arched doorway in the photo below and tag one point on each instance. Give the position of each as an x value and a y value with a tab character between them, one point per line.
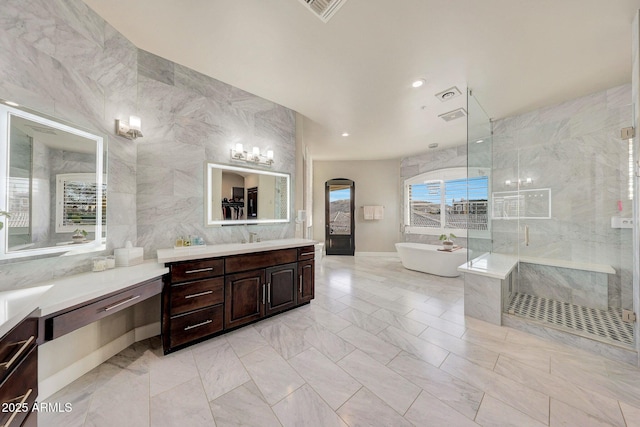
339	217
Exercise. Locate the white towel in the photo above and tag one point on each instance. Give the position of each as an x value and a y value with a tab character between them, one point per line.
373	212
378	212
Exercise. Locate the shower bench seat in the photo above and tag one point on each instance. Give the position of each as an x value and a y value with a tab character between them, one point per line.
489	280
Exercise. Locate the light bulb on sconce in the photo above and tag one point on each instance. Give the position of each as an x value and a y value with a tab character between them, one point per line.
131	130
254	156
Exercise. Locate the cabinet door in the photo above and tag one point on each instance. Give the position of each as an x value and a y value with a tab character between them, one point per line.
244	295
306	277
281	287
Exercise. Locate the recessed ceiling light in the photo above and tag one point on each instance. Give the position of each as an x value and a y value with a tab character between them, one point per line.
345	134
480	141
11	103
418	83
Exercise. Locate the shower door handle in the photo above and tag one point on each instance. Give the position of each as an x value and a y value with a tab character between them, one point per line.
526	235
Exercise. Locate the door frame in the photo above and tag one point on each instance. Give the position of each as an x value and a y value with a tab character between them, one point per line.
331	239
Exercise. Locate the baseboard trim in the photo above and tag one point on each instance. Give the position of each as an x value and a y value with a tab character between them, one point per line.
61	379
380	254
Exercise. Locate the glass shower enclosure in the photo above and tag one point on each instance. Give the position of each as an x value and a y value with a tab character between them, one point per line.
560	201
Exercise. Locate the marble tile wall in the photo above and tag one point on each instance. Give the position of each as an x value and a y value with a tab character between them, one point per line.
574	149
60	58
191	118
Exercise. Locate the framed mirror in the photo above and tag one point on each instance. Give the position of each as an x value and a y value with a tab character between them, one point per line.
238	195
52	186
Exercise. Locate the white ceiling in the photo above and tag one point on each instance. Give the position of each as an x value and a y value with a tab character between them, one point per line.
354	73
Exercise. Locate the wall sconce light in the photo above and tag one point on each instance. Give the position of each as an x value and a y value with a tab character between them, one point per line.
131	130
521	182
238	153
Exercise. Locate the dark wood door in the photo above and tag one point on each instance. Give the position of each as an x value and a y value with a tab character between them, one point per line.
252	202
281	287
244	296
339	217
306	277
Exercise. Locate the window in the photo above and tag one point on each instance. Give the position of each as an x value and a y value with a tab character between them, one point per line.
446	200
77	202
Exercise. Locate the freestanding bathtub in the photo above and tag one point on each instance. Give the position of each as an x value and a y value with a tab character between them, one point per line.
428	259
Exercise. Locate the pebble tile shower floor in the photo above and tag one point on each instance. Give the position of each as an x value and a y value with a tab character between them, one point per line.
379	346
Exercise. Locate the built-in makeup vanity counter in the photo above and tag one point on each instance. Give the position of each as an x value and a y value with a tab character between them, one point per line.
214	289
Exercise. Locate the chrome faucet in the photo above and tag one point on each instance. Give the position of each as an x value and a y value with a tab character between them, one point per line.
253	237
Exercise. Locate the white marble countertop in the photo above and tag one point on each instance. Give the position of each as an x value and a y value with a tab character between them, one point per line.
211	251
68	291
496	266
18	304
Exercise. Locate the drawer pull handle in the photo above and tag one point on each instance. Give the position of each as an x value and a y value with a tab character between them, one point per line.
269	293
300	284
307	253
198	294
25	345
199	270
206	322
23	399
118	304
263	294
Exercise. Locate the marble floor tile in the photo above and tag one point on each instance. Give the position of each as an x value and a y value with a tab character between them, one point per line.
272	374
375	347
358	304
286	341
362	320
327	319
401	322
411	344
366	409
332	383
456	393
529	401
304	407
470	351
245	340
328	343
438	323
219	367
599	406
427	410
389	386
243	406
562	414
182	366
185	404
494	412
450	370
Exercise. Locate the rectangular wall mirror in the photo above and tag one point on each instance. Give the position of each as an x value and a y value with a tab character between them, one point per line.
52	186
238	195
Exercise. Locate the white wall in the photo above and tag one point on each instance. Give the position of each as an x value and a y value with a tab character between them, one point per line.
376	183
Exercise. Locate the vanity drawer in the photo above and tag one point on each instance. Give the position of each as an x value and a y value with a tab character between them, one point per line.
20	390
306	252
16	344
194	295
256	260
196	324
193	270
76	318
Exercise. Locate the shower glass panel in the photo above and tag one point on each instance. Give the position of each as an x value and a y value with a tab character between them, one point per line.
562	203
479	161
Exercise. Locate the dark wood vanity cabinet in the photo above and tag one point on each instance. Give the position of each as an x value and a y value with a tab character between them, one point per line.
206	297
19	374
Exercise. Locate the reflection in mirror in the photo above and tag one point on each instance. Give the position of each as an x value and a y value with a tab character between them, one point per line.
53	187
237	195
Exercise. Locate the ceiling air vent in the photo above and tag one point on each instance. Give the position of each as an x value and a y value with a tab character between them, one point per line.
323	9
452	115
